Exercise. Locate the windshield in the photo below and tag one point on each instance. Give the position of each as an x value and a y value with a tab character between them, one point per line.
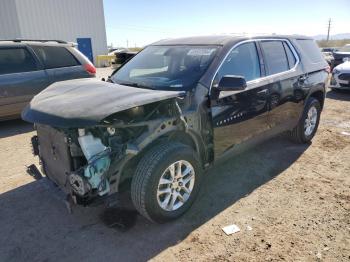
166	67
345	48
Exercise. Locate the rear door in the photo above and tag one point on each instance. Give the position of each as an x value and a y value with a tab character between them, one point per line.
286	89
60	64
21	77
240	115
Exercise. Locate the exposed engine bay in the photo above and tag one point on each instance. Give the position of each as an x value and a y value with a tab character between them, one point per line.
87	162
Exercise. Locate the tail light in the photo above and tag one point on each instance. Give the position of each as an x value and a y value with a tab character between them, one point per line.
90	68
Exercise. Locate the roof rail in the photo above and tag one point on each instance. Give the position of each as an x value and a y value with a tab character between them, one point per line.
35	40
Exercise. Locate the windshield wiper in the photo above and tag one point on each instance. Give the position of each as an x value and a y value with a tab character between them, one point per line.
135	85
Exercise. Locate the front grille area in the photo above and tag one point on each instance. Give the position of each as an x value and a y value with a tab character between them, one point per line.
344	76
54	154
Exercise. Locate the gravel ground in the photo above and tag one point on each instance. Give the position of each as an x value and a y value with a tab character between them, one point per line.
291	202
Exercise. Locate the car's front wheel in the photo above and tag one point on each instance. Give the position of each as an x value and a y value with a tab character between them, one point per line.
166	182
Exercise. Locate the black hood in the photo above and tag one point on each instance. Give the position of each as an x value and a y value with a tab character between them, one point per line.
85	102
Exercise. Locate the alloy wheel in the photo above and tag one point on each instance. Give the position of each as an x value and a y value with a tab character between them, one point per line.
175	185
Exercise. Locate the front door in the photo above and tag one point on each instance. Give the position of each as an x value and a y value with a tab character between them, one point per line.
239	115
84	46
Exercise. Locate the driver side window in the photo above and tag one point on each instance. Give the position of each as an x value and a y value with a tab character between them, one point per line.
242	61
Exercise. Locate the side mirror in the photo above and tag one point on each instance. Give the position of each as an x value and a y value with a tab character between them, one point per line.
232	83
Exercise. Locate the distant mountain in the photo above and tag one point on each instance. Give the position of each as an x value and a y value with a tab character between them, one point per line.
332	37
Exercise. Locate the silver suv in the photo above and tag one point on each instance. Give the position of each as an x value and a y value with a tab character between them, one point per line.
29	66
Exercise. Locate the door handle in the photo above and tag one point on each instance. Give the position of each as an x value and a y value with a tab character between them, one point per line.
262	92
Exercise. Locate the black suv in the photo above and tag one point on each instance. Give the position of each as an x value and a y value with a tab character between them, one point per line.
170	112
28	66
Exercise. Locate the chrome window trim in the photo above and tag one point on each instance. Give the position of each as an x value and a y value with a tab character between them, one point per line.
252	83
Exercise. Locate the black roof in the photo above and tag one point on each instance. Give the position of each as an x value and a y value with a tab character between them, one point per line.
220	39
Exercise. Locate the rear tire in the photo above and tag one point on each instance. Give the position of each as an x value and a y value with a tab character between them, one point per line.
157	189
308	123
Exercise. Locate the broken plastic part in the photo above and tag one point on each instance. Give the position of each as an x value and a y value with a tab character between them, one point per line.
99	161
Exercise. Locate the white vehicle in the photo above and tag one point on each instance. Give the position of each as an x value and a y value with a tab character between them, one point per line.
341	76
118	50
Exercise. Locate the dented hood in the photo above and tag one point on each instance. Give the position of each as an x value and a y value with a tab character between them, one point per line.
85	102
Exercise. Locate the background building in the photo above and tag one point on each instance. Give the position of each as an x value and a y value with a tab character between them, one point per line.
79	21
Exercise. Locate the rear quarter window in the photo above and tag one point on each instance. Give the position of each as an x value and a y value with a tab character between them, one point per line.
311	50
290	56
16	60
55	56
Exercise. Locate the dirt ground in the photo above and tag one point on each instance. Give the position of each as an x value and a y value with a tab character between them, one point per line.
291	202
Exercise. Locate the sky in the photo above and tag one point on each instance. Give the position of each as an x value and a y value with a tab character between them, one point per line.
138	23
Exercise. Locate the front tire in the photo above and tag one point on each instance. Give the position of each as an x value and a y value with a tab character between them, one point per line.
308	123
166	182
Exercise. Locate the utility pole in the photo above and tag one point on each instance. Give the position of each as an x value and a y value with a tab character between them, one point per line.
329	28
127	43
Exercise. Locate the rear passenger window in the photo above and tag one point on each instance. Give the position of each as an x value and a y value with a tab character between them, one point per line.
311	50
16	60
290	56
55	56
242	61
275	57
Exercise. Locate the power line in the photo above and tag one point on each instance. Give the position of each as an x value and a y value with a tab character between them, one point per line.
329	28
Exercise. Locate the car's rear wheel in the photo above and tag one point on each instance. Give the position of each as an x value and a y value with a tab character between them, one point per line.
308	124
166	182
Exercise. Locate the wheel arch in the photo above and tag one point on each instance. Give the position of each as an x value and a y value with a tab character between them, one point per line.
319	95
189	138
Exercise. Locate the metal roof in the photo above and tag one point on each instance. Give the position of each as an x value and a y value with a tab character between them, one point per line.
220	39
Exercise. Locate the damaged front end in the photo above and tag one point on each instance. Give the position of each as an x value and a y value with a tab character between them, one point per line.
90	133
77	160
87	163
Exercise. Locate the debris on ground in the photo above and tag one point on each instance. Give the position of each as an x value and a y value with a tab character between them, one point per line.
231	229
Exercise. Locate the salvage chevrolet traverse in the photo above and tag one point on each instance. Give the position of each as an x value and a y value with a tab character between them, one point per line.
170	112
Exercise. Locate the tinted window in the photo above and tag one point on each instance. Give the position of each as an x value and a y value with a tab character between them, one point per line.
311	50
16	60
54	56
176	67
290	56
275	57
242	61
